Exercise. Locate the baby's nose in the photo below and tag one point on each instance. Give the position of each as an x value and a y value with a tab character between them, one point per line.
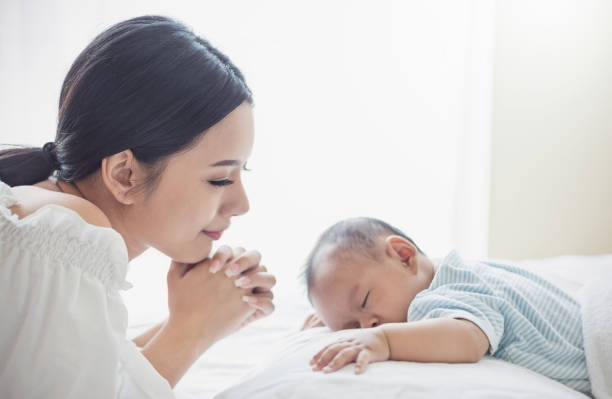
368	322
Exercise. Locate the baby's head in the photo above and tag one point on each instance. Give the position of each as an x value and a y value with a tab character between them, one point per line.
364	272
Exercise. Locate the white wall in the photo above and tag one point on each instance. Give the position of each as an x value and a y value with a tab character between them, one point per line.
361	108
551	169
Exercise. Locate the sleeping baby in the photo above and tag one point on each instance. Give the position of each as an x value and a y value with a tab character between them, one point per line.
365	274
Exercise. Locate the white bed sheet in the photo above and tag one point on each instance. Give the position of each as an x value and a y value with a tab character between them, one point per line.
241	365
289	376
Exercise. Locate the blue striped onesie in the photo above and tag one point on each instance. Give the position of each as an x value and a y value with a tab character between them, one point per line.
529	321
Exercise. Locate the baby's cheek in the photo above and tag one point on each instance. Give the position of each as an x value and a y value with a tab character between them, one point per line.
401	313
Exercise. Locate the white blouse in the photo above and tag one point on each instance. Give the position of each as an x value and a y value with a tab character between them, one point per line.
62	321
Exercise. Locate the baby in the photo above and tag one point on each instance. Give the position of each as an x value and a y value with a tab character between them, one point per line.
368	275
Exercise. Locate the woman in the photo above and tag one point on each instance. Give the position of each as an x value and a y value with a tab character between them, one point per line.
154	128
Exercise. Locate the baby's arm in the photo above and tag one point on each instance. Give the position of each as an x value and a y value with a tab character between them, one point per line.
442	340
436	340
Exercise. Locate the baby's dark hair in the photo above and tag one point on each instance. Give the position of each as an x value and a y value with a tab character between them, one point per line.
351	235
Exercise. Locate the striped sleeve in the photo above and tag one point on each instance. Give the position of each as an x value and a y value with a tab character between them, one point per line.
447	303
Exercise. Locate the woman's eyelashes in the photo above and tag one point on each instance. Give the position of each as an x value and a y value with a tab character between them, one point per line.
225	182
365	300
221	183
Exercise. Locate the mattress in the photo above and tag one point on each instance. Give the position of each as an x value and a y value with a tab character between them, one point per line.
269	358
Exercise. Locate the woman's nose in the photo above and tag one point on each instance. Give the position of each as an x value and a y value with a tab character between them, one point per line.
368	321
237	202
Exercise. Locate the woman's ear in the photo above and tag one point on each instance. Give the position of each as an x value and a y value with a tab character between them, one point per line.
400	248
119	175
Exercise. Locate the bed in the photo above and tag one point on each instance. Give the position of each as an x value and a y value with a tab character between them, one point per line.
269	358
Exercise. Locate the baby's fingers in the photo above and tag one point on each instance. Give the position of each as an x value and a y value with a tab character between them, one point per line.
315	359
327	355
312	321
363	358
342	358
317	356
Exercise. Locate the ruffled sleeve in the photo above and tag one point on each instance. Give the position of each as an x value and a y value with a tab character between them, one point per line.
63	329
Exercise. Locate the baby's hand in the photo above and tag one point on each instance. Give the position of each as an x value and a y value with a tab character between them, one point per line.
361	346
312	321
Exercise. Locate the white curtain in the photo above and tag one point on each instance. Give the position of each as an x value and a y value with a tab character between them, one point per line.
362	108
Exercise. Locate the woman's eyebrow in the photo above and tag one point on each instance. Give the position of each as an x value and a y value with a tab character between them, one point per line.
227	162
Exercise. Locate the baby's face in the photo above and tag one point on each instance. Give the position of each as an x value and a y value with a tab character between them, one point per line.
355	291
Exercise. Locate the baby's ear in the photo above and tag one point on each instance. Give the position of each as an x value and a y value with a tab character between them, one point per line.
399	247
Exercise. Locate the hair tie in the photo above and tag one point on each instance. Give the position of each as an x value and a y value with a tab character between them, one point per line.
49	152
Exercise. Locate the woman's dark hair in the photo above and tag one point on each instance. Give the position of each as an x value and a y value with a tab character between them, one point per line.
148	84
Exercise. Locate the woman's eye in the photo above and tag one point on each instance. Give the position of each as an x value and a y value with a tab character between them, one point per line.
220	183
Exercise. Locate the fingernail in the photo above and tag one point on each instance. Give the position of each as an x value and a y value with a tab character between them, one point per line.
234	267
214	266
242	281
249	299
229	272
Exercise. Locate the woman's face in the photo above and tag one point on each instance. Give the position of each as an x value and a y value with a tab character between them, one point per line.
198	192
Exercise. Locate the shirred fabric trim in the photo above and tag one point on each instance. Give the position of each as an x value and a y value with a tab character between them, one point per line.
103	247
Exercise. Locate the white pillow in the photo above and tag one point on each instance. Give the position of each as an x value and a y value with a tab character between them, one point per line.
288	375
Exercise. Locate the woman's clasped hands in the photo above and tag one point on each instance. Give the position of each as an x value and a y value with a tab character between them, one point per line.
219	295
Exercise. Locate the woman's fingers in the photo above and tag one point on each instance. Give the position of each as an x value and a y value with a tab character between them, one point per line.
265	294
223	254
238	251
245	261
248	275
258	314
259	290
262	302
251	280
265	288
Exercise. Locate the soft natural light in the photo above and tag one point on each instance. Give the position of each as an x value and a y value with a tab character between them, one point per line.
362	108
480	128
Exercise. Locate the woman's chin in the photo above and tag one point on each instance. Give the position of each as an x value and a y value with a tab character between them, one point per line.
191	255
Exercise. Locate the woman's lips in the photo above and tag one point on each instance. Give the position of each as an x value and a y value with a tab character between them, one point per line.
215	235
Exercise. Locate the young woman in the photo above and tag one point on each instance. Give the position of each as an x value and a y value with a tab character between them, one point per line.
154	128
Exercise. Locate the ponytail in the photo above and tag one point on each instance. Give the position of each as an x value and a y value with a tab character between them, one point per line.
27	165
